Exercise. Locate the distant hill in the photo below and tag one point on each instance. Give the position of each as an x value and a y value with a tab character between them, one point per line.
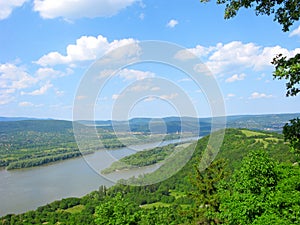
269	122
6	119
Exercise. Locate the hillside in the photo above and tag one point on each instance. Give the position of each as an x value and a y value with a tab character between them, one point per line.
168	201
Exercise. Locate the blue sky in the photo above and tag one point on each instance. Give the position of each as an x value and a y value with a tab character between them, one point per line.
47	46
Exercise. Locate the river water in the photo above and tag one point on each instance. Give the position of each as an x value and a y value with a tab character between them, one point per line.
27	189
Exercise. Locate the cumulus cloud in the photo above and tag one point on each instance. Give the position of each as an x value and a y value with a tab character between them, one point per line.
235	56
70	9
172	23
130	74
86	48
169	97
142	16
7	6
184	80
26	104
256	95
235	77
295	32
190	53
150	99
115	96
6	98
46	73
42	90
13	79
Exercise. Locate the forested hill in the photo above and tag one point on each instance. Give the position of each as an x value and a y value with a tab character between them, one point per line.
27	143
180	199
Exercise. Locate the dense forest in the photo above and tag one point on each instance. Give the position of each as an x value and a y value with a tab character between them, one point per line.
253	180
145	158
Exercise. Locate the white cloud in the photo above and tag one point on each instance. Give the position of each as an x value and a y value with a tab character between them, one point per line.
150	99
184	55
236	56
202	69
70	9
184	80
230	95
256	95
261	76
130	74
81	97
295	32
25	104
172	23
115	96
190	53
42	90
12	79
141	87
169	97
46	73
6	98
155	89
7	6
86	48
59	93
235	77
142	16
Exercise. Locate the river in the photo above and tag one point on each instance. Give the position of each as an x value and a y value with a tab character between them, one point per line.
26	189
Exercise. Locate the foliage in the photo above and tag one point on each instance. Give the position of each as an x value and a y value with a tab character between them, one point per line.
143	158
286	12
116	211
292	134
288	69
262	192
207	199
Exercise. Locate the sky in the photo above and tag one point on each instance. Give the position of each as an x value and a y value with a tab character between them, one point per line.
47	47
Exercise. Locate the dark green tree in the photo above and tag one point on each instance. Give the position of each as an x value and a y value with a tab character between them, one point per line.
206	194
292	134
289	69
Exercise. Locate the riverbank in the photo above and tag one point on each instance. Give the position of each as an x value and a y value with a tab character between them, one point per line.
26	189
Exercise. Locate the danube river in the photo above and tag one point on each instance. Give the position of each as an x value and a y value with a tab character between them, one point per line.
27	189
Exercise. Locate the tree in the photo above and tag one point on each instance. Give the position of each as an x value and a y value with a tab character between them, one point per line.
116	210
289	69
262	192
286	12
292	133
206	194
